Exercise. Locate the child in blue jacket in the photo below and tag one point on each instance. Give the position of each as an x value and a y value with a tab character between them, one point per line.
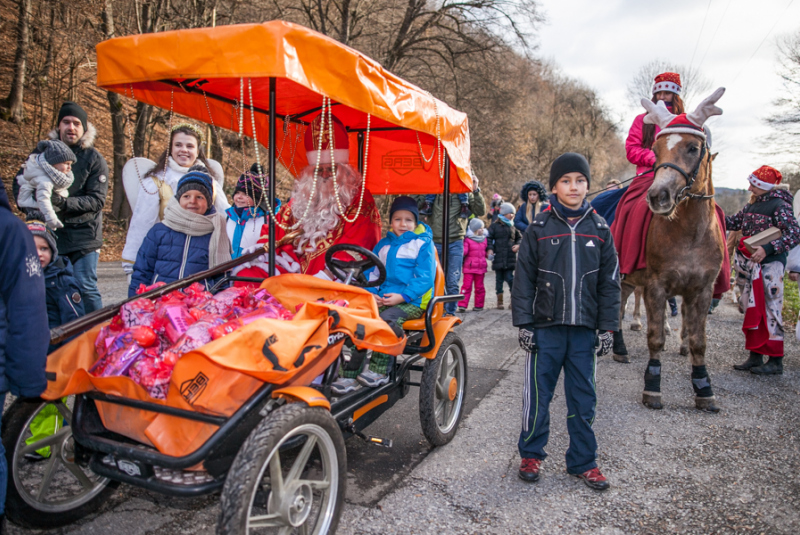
408	253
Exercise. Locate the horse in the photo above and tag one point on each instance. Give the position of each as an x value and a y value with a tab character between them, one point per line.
684	247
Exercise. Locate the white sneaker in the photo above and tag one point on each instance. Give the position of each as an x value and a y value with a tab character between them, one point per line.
372	379
344	385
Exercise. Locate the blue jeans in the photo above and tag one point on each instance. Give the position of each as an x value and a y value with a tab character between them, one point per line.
463	198
86	275
3	465
455	257
570	348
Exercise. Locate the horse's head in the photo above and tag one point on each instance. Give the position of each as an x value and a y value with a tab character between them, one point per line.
682	157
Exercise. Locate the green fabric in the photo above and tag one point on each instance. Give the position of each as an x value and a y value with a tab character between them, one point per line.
379	362
44	425
458	225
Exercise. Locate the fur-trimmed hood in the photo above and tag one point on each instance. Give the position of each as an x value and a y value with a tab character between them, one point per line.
533	185
85	142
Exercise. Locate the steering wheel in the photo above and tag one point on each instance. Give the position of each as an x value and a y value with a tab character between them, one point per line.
352	271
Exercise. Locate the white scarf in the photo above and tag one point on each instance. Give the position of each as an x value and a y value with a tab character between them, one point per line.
181	220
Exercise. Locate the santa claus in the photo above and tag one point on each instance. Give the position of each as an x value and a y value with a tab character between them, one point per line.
328	206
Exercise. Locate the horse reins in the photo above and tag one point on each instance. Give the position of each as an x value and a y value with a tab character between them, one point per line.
690	178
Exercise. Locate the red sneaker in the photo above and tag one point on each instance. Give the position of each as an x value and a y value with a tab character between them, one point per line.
594	479
529	469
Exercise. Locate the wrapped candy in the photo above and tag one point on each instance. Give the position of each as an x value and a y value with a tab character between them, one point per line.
267	312
222	304
153	374
137	312
173	320
196	335
195	294
142	288
122	353
144	335
105	337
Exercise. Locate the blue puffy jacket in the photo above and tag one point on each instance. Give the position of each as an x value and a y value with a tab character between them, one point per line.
167	255
410	261
64	302
23	317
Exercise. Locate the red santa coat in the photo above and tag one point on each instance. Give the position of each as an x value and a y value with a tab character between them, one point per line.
364	231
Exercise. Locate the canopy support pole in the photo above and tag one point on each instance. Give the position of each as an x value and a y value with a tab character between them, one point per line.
272	177
446	213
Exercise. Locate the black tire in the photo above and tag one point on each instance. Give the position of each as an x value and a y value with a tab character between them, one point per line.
66	499
284	435
440	406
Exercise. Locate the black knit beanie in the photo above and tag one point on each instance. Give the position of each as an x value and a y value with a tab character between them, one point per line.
406	203
37	226
73	109
569	162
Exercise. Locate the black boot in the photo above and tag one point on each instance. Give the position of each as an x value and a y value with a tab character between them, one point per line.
774	366
673	306
752	361
619	349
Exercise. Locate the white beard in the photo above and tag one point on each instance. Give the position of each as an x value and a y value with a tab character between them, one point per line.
323	213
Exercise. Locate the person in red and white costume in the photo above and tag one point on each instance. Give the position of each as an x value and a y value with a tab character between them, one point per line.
315	210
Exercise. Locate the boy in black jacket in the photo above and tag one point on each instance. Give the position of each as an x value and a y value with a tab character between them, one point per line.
566	290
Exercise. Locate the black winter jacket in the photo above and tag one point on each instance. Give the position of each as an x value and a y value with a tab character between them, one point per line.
82	211
566	275
501	238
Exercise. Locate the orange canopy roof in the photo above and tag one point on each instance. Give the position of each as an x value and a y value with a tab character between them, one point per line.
176	69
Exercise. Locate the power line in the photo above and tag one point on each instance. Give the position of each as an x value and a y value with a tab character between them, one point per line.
714	34
780	17
700	35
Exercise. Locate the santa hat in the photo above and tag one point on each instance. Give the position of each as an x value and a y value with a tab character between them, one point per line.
341	143
668	81
765	177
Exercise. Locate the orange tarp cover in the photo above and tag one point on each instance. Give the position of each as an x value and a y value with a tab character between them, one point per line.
307	66
220	376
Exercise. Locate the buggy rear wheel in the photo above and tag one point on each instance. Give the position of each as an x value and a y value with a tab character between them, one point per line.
54	490
289	476
441	391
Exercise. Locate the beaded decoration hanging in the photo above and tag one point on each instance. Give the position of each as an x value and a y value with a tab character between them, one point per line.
156	180
438	148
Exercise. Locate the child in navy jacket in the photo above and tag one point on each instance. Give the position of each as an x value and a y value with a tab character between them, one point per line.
566	290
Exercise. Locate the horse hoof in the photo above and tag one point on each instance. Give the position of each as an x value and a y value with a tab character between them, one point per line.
622	358
706	404
652	400
684	351
636	326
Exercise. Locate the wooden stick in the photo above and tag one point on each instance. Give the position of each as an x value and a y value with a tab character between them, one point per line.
77	326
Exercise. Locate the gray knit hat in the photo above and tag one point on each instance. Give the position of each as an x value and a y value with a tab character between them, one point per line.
507	208
37	226
55	151
475	224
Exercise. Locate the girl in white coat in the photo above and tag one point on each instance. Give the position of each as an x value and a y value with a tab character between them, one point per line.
158	183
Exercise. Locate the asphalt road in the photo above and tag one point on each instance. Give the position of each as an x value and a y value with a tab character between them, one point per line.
676	470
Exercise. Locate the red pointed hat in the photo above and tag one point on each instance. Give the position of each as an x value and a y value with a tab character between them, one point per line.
765	177
341	143
668	81
681	124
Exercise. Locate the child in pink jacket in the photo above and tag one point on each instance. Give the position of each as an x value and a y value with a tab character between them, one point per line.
475	265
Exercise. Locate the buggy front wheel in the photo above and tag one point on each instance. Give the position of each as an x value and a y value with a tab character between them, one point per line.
288	477
52	490
441	391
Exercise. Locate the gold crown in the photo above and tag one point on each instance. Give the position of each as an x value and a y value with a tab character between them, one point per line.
193	127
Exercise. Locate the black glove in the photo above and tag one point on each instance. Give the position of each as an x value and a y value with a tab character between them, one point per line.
527	341
604	343
57	201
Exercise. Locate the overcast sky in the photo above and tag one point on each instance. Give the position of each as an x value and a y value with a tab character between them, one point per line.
604	43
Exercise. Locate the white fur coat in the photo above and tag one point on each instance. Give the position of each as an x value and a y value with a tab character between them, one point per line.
36	185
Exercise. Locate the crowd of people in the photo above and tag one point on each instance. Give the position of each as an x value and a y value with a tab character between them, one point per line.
183	223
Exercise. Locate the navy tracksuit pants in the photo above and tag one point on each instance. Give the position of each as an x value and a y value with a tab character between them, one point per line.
571	348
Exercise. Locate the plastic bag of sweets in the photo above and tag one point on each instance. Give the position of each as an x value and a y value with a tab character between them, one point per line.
267	312
122	354
222	304
197	335
173	320
137	312
195	294
152	374
142	288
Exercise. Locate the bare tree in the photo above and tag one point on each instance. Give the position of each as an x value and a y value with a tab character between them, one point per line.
785	121
694	84
14	101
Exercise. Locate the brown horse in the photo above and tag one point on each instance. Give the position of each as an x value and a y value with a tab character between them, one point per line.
685	245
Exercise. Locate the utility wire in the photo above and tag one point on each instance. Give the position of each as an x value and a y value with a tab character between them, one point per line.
700	35
780	17
714	34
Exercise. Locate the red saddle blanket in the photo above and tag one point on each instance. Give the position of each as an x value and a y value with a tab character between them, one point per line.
631	223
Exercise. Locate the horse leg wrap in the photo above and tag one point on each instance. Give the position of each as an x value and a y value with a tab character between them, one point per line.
652	376
701	383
